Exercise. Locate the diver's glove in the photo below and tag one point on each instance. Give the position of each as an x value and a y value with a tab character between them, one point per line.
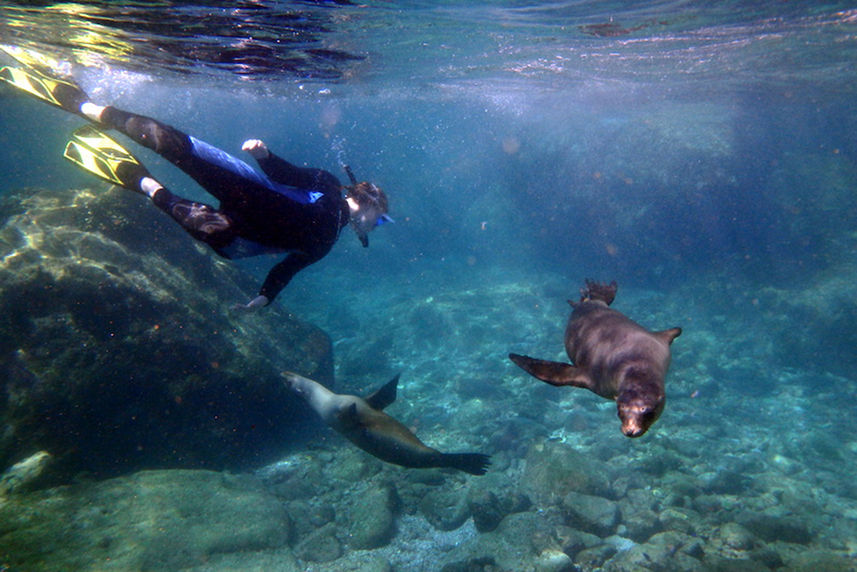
256	148
253	305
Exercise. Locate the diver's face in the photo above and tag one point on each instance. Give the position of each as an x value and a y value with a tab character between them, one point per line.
364	218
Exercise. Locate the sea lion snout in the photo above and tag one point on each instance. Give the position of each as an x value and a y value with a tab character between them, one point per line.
632	428
638	413
289	378
295	382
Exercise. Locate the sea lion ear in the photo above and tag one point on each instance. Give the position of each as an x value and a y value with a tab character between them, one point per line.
667	336
384	396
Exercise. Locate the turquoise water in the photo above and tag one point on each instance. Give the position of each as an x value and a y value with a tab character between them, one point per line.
702	155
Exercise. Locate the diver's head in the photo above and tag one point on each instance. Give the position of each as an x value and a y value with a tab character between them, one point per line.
368	205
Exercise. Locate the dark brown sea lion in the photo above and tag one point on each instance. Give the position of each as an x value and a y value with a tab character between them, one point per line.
613	356
364	423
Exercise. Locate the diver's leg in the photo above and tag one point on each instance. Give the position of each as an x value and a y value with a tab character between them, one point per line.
227	178
163	139
201	221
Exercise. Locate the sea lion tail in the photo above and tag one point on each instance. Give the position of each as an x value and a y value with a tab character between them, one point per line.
473	463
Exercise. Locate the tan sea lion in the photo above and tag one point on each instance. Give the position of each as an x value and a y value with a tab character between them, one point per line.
613	356
364	423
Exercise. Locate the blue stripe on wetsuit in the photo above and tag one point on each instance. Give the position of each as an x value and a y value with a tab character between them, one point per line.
212	154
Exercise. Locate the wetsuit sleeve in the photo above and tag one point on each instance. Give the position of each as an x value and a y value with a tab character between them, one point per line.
284	172
281	274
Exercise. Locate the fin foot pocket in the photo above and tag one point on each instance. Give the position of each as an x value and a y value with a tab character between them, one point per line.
93	151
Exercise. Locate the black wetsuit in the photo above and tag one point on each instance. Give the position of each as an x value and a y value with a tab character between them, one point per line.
288	209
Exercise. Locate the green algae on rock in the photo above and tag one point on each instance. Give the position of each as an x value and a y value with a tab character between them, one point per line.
118	352
152	520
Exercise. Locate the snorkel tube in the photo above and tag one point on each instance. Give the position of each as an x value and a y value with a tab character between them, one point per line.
350	174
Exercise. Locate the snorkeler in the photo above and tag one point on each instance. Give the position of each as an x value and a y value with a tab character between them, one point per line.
288	209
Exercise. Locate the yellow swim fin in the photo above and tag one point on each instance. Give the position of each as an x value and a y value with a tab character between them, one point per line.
64	94
93	151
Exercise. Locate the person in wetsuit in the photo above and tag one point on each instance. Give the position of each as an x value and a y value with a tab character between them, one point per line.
288	209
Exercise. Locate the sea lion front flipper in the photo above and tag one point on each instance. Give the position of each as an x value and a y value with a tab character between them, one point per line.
553	372
667	336
384	396
349	418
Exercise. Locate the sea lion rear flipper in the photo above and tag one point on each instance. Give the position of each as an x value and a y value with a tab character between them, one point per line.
473	463
553	372
667	336
384	396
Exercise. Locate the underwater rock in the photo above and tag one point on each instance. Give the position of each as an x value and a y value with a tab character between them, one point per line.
573	541
680	519
520	540
320	545
721	564
445	508
486	509
814	560
590	513
360	561
491	500
153	520
553	560
314	514
639	518
554	469
654	555
679	542
732	546
22	474
117	349
736	538
282	560
371	517
771	527
481	564
595	557
727	482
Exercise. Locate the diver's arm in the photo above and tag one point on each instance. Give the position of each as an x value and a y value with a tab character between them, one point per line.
278	278
281	274
284	172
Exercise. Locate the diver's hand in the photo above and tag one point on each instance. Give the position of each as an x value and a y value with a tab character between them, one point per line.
253	305
256	148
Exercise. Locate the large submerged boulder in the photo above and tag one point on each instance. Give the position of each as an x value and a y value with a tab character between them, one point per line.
117	348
